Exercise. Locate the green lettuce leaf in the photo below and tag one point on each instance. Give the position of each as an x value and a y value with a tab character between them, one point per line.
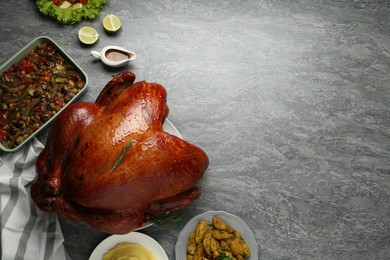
68	15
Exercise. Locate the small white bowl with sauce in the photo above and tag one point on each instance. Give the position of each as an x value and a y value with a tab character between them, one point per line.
114	56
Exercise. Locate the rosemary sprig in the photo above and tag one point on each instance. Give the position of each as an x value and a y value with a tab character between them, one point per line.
164	220
120	157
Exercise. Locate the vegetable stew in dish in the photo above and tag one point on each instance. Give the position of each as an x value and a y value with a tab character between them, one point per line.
33	91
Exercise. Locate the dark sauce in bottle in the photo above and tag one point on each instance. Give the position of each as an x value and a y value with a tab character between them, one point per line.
116	55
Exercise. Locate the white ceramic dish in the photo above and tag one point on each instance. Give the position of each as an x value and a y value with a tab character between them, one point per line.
235	222
133	237
170	128
144	226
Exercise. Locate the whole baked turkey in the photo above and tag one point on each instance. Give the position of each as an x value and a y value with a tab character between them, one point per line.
111	165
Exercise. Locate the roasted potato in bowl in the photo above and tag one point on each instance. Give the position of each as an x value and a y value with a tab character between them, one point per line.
216	235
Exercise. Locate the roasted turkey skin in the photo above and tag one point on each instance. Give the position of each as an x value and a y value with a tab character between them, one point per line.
111	165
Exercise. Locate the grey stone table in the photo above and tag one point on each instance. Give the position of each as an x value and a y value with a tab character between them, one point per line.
290	100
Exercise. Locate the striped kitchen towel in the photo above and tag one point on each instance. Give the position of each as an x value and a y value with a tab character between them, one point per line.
26	231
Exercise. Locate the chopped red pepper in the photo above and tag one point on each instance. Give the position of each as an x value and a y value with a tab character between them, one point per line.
46	78
37	109
26	66
3	135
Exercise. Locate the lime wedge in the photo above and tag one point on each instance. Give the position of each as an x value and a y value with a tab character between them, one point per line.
111	23
88	35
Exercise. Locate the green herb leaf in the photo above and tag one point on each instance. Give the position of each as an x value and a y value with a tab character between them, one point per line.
120	157
164	220
223	257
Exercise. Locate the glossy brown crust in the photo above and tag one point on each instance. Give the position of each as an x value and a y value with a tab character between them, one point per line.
110	163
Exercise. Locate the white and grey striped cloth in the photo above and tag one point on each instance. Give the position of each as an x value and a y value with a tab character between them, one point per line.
26	231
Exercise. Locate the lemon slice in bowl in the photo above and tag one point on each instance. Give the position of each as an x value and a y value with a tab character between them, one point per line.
88	35
111	23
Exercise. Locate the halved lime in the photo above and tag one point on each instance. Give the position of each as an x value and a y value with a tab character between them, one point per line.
111	23
88	35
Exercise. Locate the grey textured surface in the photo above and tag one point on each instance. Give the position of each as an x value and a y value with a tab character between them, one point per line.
290	99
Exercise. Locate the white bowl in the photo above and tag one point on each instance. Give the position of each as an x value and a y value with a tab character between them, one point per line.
133	237
235	222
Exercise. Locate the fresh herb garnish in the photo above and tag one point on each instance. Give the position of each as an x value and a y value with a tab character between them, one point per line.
223	257
120	157
164	220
